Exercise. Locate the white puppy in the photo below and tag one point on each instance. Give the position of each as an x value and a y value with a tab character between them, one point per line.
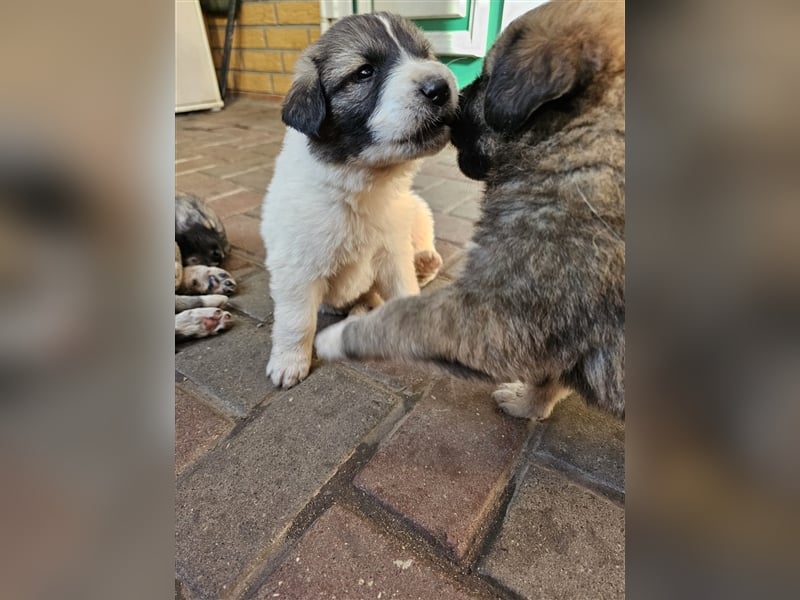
340	222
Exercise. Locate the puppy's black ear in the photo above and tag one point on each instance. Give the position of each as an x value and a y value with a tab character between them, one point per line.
304	107
522	81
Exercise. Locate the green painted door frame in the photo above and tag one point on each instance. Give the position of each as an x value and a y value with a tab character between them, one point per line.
465	68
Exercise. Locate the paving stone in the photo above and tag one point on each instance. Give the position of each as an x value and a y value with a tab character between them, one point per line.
588	439
423	182
227	169
240	265
237	203
193	164
268	150
242	135
256	179
197	428
447	156
185	150
446	466
470	209
204	186
239	499
244	232
559	541
341	556
252	297
445	196
410	380
445	170
230	154
449	252
230	367
452	229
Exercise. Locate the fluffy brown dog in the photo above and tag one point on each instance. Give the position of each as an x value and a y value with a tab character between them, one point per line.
541	299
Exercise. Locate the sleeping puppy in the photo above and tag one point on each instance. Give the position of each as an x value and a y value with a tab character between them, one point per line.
541	300
200	290
199	233
340	222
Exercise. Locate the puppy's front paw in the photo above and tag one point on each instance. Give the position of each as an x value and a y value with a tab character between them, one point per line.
328	342
426	265
513	399
286	369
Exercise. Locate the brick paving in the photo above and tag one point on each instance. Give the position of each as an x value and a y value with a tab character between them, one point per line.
370	480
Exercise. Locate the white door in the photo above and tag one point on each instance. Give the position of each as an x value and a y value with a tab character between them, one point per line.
196	85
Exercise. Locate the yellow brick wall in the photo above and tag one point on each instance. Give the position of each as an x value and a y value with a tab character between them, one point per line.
267	40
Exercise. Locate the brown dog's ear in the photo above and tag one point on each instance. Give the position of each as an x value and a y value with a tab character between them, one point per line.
304	107
521	82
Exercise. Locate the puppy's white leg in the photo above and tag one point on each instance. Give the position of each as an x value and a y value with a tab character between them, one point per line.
296	305
427	260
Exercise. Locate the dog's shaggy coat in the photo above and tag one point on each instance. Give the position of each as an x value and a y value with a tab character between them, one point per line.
340	223
541	298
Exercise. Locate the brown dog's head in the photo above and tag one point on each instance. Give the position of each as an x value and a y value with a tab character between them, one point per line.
549	66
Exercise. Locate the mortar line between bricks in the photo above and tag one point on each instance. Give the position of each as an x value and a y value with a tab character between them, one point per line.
226	194
494	526
581	478
272	140
247	170
273	556
213	144
339	490
417	541
195	169
182	160
365	377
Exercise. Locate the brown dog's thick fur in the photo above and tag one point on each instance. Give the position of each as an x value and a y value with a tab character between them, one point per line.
541	298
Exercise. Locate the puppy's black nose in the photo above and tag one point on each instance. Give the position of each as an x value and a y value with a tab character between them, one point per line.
436	90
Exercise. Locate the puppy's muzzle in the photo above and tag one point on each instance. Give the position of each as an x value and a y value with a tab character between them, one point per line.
437	90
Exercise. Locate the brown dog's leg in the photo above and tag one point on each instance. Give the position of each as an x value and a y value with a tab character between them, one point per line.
439	327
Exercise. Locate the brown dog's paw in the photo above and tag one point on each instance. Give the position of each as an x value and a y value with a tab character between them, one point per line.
200	279
427	264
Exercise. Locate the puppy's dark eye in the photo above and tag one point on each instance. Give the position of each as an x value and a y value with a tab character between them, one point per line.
365	72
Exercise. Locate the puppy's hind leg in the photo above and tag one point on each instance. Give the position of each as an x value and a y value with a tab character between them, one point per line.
530	401
427	260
